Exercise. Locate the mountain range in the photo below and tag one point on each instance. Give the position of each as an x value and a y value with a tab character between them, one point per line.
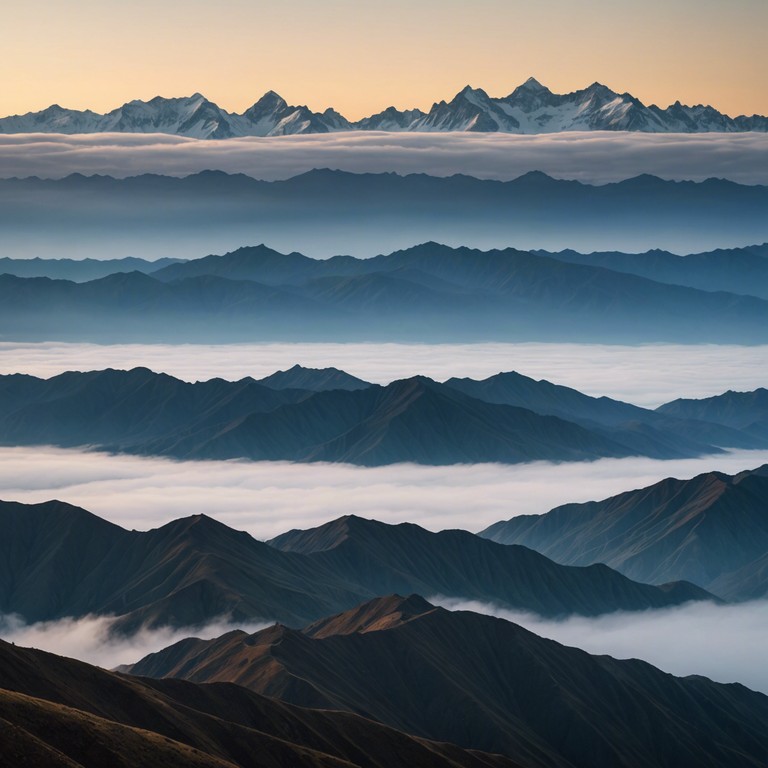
530	108
711	529
429	292
745	411
60	713
326	212
62	561
736	270
508	418
484	683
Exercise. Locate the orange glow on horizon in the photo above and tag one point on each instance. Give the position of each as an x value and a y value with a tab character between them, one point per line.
361	57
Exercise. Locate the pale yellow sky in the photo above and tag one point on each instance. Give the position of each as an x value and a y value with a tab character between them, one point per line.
363	56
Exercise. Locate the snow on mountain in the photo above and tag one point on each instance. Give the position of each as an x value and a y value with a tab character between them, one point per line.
531	108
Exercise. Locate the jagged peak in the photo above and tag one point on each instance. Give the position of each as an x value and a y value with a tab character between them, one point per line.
532	84
270	99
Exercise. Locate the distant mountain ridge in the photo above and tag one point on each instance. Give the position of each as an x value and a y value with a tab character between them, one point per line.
711	529
340	419
530	108
325	212
429	292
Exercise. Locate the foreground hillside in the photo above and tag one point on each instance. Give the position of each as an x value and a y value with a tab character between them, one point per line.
485	683
60	713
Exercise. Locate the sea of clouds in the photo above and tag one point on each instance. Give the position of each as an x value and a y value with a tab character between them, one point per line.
646	375
269	498
723	642
592	157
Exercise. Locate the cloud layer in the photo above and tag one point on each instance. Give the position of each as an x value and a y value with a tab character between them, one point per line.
595	157
723	642
646	375
268	498
90	639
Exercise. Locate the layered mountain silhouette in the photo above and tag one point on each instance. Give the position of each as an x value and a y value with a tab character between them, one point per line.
530	108
736	270
78	270
408	558
485	683
63	561
326	212
711	530
745	411
60	713
429	292
410	420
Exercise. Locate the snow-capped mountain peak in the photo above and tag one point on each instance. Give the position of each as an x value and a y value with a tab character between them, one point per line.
529	108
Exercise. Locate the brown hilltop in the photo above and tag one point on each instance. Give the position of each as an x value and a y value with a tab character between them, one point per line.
488	684
62	713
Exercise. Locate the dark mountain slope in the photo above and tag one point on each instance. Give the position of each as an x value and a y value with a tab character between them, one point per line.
58	560
410	420
313	379
407	558
628	423
124	407
711	530
487	683
73	714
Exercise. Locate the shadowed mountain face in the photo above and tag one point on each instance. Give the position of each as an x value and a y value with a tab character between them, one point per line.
406	558
56	712
711	530
486	683
63	561
324	212
415	420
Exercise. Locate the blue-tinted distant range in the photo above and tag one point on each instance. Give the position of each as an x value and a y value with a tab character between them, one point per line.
426	293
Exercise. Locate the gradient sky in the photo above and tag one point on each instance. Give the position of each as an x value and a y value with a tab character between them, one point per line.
363	55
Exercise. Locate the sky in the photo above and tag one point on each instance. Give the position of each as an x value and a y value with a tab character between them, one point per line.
361	56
